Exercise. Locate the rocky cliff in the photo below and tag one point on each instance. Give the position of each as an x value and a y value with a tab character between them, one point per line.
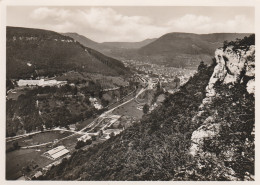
234	67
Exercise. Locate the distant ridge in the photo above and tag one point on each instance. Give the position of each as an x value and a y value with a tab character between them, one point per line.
129	45
177	49
108	45
186	49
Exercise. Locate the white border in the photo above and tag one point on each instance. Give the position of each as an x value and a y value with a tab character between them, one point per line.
5	3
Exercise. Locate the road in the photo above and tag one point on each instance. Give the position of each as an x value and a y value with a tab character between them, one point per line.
9	139
80	132
105	114
102	116
33	146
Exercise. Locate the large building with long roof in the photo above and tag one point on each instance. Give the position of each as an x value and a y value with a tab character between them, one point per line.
56	153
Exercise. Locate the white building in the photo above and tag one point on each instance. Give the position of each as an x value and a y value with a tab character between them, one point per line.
56	153
84	138
40	82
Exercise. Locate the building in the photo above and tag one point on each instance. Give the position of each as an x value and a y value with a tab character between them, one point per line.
95	103
40	82
37	174
84	138
110	131
56	153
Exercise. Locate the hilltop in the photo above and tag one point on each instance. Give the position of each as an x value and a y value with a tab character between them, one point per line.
35	52
205	131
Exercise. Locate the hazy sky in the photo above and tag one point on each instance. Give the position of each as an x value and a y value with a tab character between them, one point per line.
132	23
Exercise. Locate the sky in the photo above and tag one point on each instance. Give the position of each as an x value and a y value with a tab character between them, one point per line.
131	24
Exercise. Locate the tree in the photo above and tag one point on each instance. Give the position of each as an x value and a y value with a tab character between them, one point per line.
158	86
100	94
112	134
80	144
75	90
88	142
9	84
146	108
104	102
100	133
93	138
202	66
15	145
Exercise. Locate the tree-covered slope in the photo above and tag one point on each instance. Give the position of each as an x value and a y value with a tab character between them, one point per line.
35	52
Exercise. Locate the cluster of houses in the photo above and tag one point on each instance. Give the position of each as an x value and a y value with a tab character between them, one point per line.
104	127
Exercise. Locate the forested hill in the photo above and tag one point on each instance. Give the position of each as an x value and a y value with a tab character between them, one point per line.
205	131
35	52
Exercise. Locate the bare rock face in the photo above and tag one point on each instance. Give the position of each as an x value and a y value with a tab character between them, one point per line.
251	86
233	66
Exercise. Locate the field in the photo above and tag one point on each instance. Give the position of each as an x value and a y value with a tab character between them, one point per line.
84	123
19	159
70	142
129	109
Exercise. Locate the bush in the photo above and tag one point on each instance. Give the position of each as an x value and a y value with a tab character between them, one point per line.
80	144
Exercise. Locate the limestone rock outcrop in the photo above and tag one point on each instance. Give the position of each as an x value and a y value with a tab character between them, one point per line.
233	66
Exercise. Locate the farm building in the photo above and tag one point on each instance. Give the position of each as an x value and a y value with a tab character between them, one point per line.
56	153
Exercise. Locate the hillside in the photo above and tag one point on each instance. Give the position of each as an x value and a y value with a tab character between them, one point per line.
83	40
108	45
118	50
185	49
35	52
128	45
205	131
